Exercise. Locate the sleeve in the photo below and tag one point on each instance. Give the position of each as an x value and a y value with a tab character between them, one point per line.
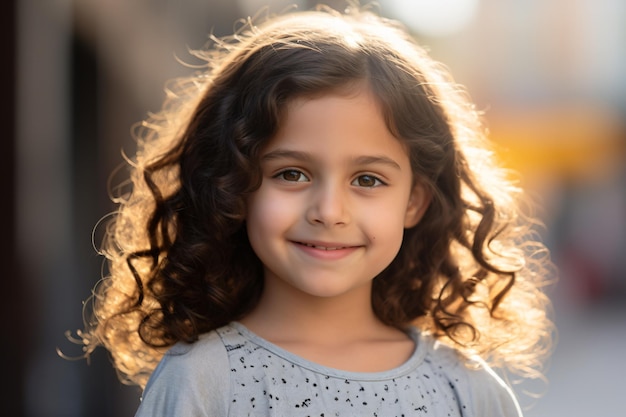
481	392
190	381
489	394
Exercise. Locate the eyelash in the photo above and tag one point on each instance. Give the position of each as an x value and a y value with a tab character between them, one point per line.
377	181
281	175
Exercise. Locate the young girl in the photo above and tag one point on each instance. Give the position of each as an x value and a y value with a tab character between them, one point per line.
317	227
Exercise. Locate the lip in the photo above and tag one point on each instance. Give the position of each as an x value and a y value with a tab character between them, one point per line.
325	250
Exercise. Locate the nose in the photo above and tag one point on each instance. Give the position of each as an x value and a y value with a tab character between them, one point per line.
328	206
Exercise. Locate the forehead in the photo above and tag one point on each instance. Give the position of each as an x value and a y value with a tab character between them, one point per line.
336	125
356	94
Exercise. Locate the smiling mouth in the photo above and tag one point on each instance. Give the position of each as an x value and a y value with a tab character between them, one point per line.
326	248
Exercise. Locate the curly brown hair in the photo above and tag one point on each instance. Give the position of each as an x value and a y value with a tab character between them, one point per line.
179	260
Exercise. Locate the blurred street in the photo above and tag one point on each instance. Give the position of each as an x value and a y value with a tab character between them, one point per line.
588	374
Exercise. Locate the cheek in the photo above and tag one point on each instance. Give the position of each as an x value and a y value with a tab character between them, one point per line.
389	214
386	223
265	207
266	213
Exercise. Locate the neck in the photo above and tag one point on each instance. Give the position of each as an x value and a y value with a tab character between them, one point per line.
286	315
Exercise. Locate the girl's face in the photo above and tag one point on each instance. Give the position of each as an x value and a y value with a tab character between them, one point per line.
335	198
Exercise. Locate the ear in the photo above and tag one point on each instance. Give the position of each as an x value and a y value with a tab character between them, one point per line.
417	205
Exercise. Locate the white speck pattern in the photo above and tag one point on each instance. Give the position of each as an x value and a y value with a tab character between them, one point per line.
267	380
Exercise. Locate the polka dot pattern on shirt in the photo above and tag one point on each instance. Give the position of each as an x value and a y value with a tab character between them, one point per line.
267	380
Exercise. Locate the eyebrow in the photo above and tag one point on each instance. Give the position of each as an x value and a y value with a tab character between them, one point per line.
305	156
372	160
286	154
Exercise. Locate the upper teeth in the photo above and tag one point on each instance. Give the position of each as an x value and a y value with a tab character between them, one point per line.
322	247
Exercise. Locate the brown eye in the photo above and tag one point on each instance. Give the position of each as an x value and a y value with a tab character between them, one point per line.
292	175
368	181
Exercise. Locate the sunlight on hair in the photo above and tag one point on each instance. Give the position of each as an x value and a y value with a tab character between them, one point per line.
352	40
433	17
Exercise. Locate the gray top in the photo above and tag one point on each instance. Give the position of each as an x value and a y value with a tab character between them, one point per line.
234	372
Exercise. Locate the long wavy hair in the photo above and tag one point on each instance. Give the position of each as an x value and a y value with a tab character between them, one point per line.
178	258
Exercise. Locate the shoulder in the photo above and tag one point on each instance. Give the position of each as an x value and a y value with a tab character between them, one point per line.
480	390
201	360
189	380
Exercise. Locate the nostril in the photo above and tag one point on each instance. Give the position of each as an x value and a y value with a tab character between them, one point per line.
328	206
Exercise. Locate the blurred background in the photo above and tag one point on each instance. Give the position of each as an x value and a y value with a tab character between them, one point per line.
550	76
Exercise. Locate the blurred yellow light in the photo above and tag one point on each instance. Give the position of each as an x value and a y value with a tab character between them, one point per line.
569	140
